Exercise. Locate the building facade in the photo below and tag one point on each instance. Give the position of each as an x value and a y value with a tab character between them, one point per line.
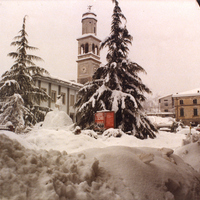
54	87
88	48
187	107
166	104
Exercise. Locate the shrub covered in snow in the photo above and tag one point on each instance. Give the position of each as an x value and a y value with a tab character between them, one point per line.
191	136
90	133
113	132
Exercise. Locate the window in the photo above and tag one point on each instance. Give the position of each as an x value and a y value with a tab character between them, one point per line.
63	97
93	48
194	101
181	101
166	110
82	49
96	50
195	111
166	104
181	112
71	100
86	48
53	96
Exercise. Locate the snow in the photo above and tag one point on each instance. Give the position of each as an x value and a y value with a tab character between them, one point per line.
57	119
51	162
194	92
119	95
190	154
159	121
89	15
9	83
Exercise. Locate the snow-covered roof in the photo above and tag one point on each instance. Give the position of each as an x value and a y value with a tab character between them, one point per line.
60	80
194	92
165	96
89	57
89	15
88	35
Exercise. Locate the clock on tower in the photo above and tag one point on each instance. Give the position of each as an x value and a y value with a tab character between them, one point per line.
83	69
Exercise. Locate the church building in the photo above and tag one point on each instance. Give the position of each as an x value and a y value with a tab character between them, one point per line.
88	61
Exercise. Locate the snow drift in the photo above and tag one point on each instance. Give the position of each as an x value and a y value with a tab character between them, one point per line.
115	172
57	119
190	153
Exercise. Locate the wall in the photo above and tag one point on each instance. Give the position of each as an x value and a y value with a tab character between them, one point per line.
166	104
59	87
188	107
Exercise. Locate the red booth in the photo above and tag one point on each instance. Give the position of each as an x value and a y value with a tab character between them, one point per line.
105	120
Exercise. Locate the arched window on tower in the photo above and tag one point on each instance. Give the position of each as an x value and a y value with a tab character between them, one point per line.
93	48
86	48
96	50
82	49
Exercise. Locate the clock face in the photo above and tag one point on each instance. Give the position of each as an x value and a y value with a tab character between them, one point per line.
84	70
95	69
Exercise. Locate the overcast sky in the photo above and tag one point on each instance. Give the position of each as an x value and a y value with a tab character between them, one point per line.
166	37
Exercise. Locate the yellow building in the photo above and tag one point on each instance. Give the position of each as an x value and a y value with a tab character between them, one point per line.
187	106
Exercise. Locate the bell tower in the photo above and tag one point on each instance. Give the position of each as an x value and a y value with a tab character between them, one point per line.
88	48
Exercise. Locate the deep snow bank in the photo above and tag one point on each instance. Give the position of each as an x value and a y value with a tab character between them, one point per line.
190	153
147	173
63	139
103	173
56	119
48	175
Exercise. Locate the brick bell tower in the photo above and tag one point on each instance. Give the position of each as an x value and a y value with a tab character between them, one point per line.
88	48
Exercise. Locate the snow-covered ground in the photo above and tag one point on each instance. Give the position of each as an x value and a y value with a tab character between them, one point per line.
52	163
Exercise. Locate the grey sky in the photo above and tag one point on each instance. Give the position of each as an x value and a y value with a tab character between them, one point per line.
166	37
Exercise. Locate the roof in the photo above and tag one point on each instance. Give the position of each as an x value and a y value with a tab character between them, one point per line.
85	35
194	92
165	96
89	15
58	80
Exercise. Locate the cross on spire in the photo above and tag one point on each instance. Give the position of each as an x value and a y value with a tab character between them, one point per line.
89	8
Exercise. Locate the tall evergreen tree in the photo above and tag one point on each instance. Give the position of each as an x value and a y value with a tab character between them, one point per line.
19	80
117	86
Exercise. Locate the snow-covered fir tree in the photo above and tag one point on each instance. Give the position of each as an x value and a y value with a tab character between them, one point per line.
13	111
117	86
19	80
